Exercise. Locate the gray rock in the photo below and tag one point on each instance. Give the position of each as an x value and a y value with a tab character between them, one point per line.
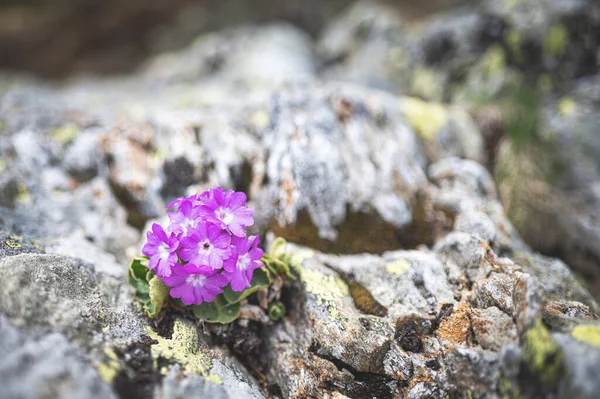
50	292
46	367
9	190
580	360
82	158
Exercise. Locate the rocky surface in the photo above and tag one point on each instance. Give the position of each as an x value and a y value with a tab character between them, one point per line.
415	211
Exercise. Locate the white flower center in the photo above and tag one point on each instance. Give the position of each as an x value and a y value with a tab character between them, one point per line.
224	215
187	224
164	250
243	262
196	280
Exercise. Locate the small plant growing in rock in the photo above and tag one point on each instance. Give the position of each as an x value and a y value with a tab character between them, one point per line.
204	259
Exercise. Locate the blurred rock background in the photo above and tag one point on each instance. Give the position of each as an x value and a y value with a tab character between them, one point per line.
441	156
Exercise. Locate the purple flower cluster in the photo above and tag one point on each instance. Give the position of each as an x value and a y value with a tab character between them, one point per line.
204	247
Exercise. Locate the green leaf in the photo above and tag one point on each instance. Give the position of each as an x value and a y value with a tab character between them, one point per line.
159	294
136	275
279	248
283	267
276	310
260	279
218	311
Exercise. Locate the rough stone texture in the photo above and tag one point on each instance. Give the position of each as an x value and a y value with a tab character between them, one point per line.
46	367
412	281
63	294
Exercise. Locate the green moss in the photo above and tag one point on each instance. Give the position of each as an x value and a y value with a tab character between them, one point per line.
545	83
556	40
397	266
508	390
587	333
426	118
493	62
542	355
513	40
2	167
183	348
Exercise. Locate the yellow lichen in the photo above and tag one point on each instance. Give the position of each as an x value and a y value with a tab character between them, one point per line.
513	39
493	62
566	107
587	333
108	370
557	40
13	244
260	119
23	194
427	119
64	134
183	348
1	165
397	266
425	83
397	58
298	257
542	354
214	378
325	288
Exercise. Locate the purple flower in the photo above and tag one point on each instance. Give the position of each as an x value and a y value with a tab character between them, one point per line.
206	246
193	286
161	250
185	218
228	210
244	260
196	199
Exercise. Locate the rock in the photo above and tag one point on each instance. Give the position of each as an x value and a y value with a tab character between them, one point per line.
321	173
579	380
199	369
564	163
49	366
491	323
61	294
131	171
250	55
82	158
11	245
9	190
90	318
495	291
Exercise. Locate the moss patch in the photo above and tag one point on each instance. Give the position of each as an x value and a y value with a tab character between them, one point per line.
542	355
184	348
589	334
556	40
508	390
